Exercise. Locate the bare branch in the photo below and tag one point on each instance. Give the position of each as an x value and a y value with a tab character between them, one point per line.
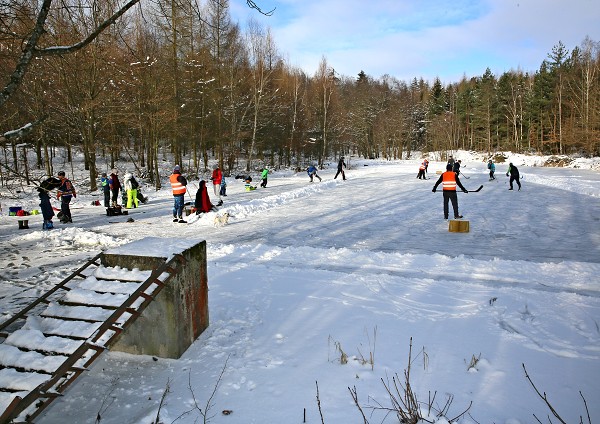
543	397
57	50
31	50
21	132
253	5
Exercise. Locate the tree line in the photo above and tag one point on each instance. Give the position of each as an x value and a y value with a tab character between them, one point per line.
178	79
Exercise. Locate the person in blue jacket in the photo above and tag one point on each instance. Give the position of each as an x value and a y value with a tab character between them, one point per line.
105	184
492	169
312	172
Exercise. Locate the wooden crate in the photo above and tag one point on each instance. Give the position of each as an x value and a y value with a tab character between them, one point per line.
457	226
439	172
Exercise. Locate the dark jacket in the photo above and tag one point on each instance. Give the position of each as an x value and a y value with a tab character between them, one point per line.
202	202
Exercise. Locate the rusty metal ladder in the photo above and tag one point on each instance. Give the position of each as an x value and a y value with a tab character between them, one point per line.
84	323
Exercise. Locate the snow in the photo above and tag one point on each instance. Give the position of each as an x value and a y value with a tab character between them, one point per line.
305	271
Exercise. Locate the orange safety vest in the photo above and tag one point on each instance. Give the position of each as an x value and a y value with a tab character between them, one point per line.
449	181
178	188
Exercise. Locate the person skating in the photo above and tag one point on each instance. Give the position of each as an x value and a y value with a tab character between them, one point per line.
264	175
514	176
44	190
178	185
312	172
202	202
421	174
340	169
449	181
492	169
451	161
65	193
456	167
216	177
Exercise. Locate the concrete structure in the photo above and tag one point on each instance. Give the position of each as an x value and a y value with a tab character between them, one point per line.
179	314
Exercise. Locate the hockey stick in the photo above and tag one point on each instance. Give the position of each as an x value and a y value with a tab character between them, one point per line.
468	178
468	191
475	191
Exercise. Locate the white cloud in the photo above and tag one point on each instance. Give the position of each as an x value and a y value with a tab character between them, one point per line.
427	38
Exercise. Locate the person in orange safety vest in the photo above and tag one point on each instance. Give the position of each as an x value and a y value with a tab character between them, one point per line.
178	185
449	181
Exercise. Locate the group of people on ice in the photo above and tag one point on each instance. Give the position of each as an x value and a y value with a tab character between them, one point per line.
111	186
130	190
450	180
312	170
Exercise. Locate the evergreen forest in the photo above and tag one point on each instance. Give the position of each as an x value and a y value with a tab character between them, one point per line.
179	81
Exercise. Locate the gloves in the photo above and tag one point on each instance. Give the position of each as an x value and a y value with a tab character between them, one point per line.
75	195
465	190
507	174
433	190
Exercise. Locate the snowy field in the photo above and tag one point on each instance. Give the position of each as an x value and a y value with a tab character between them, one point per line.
304	271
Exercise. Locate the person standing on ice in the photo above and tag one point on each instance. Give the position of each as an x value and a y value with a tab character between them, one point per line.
340	169
131	188
216	178
451	161
44	190
422	168
456	167
449	181
105	184
492	169
65	193
178	183
264	175
115	186
514	176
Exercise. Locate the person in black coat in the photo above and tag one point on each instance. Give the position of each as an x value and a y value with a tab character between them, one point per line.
340	169
456	167
514	176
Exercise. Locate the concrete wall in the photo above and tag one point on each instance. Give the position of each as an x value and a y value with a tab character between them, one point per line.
179	313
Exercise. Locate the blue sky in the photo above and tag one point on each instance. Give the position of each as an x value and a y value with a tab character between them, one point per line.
423	38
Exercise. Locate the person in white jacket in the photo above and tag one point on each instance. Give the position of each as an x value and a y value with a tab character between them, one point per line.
131	186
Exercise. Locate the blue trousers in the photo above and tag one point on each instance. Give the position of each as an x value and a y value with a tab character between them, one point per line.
178	206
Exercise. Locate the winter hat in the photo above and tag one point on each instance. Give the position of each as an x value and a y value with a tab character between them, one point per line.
104	174
216	166
61	173
176	170
448	167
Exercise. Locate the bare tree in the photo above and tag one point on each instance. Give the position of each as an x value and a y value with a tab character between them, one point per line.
32	48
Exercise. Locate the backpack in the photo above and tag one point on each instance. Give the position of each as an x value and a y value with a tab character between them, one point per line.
134	183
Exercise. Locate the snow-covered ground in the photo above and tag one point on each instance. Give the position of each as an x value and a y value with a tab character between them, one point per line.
304	271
